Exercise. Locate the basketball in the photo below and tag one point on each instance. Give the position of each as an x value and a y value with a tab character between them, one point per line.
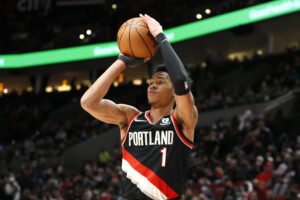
135	40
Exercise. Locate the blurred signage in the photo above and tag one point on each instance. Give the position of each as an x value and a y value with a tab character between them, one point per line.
110	50
274	9
78	2
1	62
234	19
180	33
60	55
8	6
33	5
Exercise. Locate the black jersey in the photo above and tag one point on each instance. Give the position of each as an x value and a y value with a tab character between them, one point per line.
155	156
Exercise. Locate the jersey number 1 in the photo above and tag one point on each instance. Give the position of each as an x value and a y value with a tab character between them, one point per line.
163	152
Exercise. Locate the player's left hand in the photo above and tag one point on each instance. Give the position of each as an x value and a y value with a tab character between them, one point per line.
132	61
153	25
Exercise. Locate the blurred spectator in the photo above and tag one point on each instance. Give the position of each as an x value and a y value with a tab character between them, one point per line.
243	158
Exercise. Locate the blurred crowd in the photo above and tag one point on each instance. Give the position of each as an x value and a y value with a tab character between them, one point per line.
245	159
255	156
251	157
58	27
282	75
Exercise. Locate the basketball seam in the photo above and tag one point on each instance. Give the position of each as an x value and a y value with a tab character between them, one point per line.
129	39
122	35
138	25
143	41
153	39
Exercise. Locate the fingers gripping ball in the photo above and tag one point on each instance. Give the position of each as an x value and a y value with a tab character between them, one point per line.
135	40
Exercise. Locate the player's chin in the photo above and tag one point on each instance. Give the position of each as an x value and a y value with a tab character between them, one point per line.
151	100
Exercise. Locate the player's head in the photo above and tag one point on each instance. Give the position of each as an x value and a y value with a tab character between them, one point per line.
160	90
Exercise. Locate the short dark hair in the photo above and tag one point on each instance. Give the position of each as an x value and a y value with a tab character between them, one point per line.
163	68
160	68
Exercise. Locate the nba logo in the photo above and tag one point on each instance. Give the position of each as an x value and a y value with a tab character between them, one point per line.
165	121
186	85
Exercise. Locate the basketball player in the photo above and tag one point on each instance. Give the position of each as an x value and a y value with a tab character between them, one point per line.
155	143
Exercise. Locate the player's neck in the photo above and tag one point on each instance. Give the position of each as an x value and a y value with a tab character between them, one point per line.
156	113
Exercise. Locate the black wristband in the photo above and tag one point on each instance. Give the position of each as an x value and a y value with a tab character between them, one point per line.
131	61
161	37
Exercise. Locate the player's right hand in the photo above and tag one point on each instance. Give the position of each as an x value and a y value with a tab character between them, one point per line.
154	26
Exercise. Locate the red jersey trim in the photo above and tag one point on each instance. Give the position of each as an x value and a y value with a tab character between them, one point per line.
130	121
160	184
148	117
185	141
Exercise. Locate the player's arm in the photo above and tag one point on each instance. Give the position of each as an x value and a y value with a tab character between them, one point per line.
185	110
103	109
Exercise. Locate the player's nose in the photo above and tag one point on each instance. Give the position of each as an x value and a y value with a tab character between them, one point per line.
153	86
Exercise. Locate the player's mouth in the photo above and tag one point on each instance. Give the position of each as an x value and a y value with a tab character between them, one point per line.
150	93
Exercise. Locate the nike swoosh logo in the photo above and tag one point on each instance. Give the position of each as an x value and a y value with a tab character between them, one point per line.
139	120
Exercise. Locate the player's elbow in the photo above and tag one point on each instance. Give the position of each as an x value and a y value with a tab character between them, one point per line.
85	103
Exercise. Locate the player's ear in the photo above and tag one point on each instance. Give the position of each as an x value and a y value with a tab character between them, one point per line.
173	92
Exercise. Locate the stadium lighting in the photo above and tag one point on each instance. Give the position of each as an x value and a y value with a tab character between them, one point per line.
81	36
198	16
207	11
78	87
259	52
89	32
116	83
63	88
114	6
49	89
177	34
137	82
29	89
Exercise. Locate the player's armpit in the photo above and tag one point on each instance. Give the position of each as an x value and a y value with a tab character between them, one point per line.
185	110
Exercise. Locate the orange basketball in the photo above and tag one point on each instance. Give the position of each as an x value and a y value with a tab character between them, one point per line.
135	40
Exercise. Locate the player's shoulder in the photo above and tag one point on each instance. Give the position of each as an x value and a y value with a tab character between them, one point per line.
129	110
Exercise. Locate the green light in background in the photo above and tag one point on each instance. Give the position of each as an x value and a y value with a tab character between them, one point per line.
59	55
233	19
177	34
273	10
